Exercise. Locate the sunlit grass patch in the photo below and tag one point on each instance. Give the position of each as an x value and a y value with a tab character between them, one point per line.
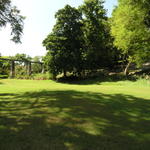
48	115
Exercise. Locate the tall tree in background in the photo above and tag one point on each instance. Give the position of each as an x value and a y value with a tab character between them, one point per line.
95	33
36	67
131	30
11	15
22	57
65	42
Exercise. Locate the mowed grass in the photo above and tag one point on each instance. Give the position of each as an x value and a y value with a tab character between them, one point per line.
45	115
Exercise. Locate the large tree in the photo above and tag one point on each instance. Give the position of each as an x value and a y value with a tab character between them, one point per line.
65	42
96	34
10	14
131	30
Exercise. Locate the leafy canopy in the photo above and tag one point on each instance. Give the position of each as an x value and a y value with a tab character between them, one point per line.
64	44
131	30
95	33
11	15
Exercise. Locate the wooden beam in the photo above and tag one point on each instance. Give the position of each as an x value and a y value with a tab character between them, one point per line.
8	59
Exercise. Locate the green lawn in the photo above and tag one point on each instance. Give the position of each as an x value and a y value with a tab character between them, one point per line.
45	115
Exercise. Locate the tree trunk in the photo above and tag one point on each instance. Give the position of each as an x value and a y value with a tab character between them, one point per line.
65	74
43	69
126	71
54	77
79	74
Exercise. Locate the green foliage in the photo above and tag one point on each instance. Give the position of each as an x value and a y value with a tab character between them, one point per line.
22	57
131	30
20	71
64	44
10	14
96	34
4	67
41	76
3	76
36	76
80	40
36	67
23	76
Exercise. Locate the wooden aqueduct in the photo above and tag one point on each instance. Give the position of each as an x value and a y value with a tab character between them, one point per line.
27	63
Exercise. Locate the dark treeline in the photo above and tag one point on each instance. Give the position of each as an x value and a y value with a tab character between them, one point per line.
85	39
80	40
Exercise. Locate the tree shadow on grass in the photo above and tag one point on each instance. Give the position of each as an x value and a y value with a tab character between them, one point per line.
1	83
72	120
97	80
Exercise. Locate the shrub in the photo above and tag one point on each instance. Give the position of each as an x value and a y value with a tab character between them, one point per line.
38	76
41	76
20	76
3	76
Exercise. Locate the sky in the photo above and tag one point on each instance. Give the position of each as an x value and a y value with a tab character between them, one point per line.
37	25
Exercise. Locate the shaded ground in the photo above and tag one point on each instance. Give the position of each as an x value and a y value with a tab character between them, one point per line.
73	120
96	80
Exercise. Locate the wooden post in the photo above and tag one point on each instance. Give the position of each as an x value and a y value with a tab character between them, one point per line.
29	68
12	69
26	66
43	69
